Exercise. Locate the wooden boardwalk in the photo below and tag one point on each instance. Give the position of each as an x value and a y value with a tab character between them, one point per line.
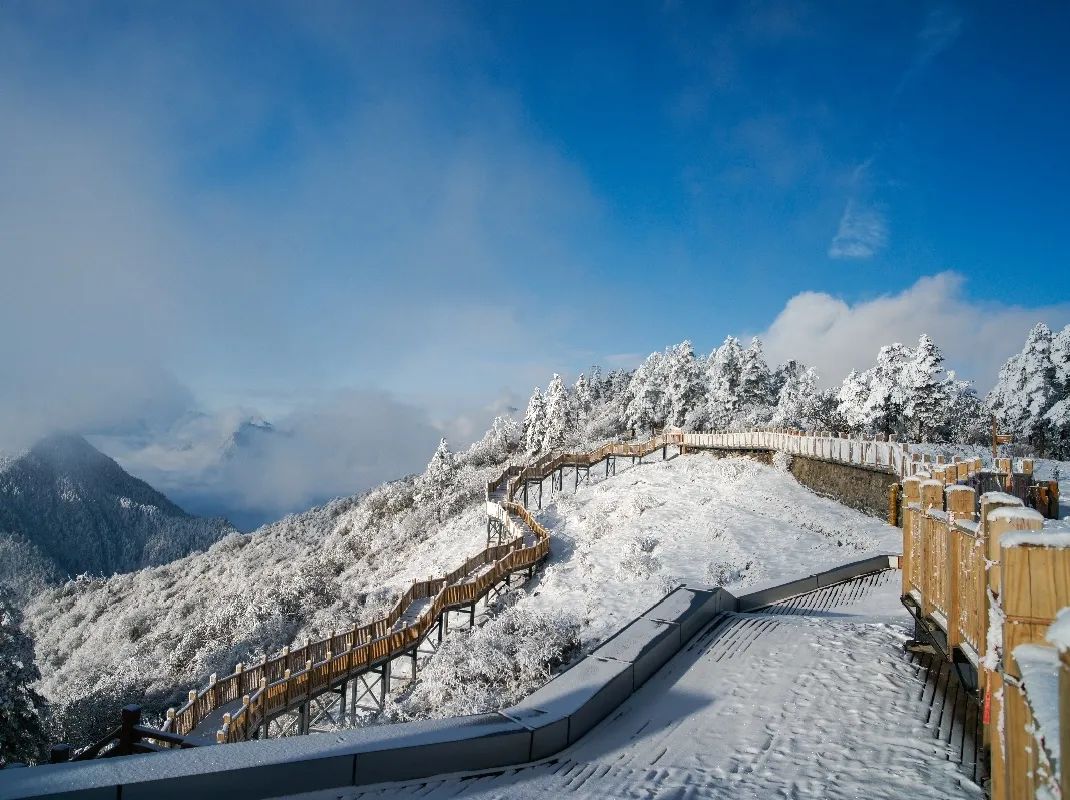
754	706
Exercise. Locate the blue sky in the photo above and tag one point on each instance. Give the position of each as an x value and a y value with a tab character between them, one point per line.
214	210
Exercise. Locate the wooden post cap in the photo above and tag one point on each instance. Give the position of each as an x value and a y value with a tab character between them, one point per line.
245	699
171	713
192	695
212	678
226	718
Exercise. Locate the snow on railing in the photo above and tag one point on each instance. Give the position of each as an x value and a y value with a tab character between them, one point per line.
991	575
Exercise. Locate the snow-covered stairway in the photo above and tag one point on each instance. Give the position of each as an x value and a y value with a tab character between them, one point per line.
810	697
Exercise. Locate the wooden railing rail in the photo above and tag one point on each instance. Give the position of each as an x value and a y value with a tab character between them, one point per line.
969	563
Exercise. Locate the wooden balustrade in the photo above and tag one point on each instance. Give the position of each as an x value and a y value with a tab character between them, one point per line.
966	563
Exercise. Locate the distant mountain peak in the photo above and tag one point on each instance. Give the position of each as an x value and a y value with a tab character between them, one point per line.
67	508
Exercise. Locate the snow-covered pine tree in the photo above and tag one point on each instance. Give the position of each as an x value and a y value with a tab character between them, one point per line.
1057	430
535	423
852	398
559	421
965	415
22	731
683	383
439	476
925	403
756	399
497	443
646	405
884	405
1026	389
1057	418
596	383
582	398
797	396
1060	359
722	382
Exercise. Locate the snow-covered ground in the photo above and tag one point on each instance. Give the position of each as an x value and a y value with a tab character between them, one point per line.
621	543
820	706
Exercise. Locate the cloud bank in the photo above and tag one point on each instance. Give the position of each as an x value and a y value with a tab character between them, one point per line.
835	336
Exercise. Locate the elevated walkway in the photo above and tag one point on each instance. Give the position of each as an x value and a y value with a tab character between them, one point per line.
810	696
798	690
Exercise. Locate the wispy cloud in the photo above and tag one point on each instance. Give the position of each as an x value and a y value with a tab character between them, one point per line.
942	27
863	227
862	233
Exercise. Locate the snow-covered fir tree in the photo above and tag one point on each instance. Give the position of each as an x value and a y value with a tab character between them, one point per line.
795	407
684	388
965	419
559	420
439	476
535	422
646	400
925	402
1060	360
1026	390
1057	418
722	384
596	382
582	398
886	399
498	443
22	730
852	398
756	396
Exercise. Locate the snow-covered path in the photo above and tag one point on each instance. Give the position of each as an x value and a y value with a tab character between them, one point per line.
814	700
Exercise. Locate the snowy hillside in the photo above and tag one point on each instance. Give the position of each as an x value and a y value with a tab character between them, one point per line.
621	543
151	635
67	509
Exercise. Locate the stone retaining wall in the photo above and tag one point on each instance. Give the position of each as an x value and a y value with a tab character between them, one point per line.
856	486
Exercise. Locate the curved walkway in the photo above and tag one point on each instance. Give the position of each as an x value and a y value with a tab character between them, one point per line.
812	697
237	707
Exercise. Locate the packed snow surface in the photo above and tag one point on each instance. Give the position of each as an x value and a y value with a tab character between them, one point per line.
825	705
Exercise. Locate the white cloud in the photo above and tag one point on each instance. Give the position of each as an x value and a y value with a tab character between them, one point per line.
137	287
836	337
862	233
346	443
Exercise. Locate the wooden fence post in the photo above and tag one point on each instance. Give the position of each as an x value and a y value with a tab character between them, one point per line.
932	498
960	505
911	496
1034	586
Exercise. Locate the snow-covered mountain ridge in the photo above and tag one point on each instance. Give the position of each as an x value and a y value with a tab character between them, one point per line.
67	509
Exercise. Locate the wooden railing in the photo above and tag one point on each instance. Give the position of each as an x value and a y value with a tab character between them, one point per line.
293	676
970	564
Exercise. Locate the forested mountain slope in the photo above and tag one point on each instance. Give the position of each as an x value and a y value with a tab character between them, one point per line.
67	509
